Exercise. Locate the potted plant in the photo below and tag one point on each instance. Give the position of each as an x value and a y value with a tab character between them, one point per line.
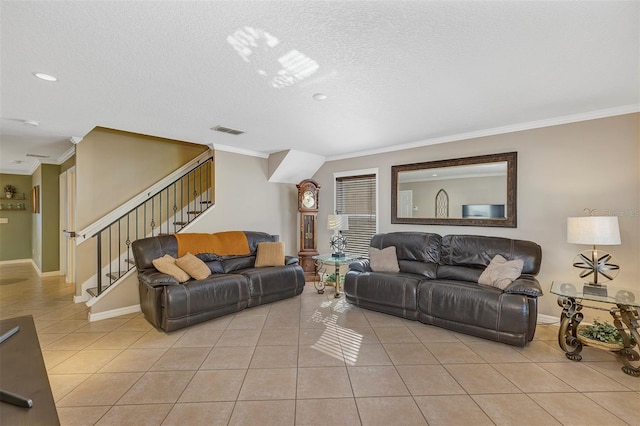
331	279
601	334
9	190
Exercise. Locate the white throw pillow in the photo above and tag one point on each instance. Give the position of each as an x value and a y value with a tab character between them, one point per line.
384	260
501	272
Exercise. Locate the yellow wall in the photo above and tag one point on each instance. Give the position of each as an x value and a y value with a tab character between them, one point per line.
113	166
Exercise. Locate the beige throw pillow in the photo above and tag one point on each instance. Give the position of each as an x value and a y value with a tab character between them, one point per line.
270	254
501	272
384	260
193	266
167	265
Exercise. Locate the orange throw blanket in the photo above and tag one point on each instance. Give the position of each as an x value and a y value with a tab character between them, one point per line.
230	243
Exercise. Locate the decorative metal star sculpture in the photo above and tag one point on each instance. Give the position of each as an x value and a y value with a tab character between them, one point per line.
597	266
338	243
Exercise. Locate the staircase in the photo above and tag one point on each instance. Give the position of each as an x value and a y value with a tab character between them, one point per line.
166	211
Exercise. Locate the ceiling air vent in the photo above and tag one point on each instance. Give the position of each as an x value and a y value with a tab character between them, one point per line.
38	156
227	130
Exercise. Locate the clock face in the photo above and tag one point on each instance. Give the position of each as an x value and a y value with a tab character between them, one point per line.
308	199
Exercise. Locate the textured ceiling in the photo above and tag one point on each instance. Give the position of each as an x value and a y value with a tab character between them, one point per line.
395	73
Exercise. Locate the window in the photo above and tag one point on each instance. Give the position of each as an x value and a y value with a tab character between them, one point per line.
356	196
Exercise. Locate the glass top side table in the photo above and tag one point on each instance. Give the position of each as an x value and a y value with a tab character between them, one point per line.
328	259
624	311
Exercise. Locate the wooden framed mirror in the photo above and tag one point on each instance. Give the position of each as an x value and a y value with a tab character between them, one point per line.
481	191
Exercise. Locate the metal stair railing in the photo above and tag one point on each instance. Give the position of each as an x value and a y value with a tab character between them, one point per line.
165	212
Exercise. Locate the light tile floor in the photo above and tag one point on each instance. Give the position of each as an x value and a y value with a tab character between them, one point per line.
308	360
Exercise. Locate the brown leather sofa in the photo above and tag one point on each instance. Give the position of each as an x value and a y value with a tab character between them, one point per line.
438	284
234	283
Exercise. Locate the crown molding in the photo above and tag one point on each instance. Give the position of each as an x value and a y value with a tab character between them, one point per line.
556	121
68	154
241	151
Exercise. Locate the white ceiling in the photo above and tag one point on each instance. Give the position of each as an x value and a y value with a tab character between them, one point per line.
399	73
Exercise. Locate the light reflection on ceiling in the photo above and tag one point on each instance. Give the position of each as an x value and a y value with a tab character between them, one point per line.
257	46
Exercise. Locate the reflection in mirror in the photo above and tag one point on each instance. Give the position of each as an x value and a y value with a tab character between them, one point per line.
479	191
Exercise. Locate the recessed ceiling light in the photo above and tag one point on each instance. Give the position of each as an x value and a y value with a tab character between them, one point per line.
45	77
319	96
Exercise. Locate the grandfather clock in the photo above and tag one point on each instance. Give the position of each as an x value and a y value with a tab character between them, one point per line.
308	207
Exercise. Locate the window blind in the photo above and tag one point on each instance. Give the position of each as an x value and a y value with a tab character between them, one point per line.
356	197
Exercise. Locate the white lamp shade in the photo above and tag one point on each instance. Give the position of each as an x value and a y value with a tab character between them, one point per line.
593	230
338	222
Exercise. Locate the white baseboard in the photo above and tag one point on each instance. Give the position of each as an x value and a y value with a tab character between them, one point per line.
81	299
35	266
44	274
9	262
114	313
547	319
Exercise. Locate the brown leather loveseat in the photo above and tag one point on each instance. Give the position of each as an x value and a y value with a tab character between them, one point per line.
234	283
437	283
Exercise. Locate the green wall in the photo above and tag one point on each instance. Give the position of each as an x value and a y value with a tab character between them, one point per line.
45	233
50	210
15	236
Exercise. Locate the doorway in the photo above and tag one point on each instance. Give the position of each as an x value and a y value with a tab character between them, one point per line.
67	183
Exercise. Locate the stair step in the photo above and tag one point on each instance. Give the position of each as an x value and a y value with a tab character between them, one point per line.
116	275
196	212
206	202
131	261
94	291
180	223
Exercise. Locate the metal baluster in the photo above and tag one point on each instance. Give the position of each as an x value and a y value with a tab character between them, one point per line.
119	250
195	194
144	220
200	206
153	216
160	212
99	251
136	222
175	207
110	257
128	242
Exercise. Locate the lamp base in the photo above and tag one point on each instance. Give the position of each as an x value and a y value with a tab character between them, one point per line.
595	289
338	254
596	266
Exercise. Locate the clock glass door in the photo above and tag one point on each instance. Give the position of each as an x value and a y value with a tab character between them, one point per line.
309	230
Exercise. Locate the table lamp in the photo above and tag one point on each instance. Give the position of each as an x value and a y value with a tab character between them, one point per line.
338	243
594	230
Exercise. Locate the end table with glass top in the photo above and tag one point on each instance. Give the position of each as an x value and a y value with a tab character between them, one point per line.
571	298
328	260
